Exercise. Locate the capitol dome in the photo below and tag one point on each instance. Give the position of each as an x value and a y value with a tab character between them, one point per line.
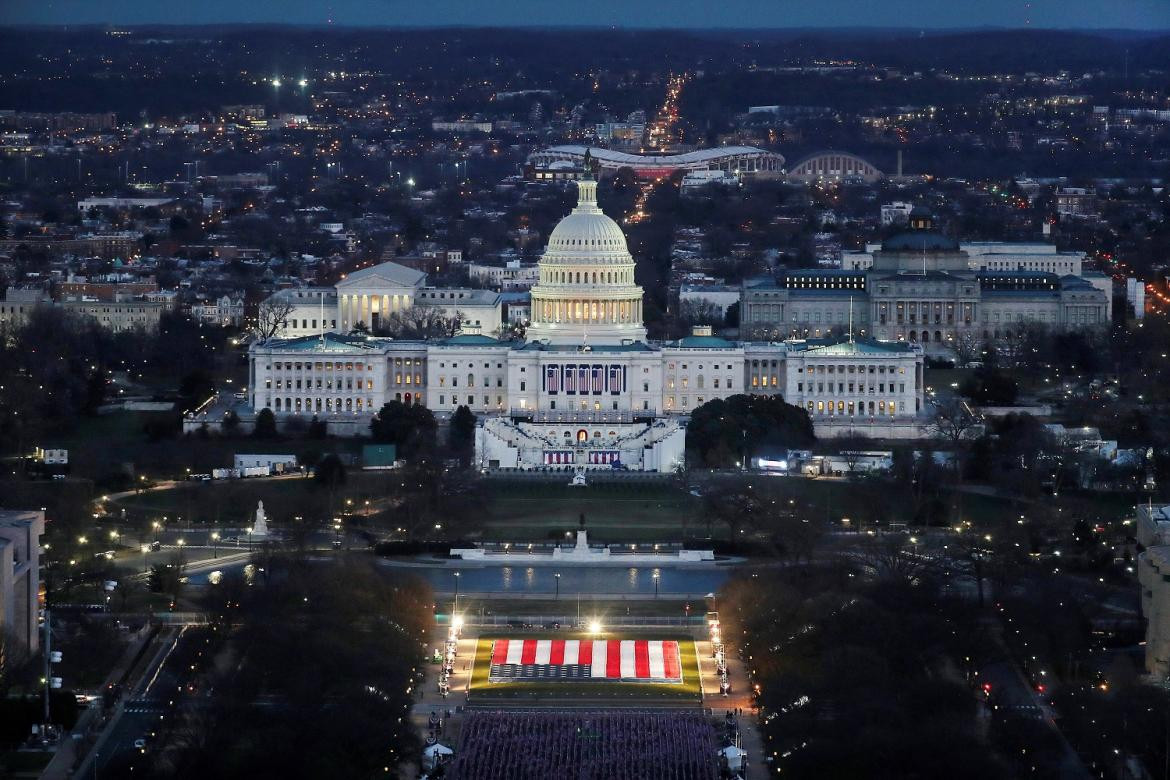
587	228
586	290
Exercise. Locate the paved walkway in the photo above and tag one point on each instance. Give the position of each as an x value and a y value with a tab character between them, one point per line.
740	699
70	751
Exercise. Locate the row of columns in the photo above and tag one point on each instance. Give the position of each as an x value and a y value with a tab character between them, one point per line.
924	312
608	276
359	308
601	311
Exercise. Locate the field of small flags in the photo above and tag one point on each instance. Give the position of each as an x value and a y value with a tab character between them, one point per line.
660	745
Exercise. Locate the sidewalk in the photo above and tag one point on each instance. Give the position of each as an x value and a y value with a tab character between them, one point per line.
61	766
740	699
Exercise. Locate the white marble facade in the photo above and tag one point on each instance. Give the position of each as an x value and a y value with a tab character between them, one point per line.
585	389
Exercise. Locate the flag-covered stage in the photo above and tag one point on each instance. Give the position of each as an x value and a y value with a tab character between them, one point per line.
583	660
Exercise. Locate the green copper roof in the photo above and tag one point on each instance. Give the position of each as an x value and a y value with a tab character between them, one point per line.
471	340
704	342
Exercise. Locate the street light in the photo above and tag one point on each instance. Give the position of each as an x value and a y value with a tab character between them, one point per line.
557	579
456	610
214	547
655	576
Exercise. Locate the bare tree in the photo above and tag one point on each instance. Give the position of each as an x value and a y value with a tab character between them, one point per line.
701	312
967	348
271	317
895	557
851	448
736	505
953	420
421	322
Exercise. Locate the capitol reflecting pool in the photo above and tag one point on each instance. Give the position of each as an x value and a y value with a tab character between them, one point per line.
601	580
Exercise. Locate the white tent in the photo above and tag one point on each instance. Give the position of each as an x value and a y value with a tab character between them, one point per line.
433	755
734	756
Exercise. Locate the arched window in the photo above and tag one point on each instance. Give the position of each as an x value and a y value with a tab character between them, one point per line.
582	435
471	380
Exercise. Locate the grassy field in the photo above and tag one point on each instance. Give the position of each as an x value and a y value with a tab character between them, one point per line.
617	692
233	502
632	512
520	511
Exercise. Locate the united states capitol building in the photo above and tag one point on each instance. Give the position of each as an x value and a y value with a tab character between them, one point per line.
585	388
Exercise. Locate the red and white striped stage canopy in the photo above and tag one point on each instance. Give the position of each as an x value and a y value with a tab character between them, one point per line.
581	660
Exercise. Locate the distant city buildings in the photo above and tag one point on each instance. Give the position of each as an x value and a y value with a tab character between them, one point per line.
699	180
744	161
510	275
116	306
896	213
461	126
1077	203
224	311
922	287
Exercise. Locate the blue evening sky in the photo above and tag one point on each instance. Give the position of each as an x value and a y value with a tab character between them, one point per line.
914	14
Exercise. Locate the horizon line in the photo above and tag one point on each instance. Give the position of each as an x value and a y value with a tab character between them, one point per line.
575	27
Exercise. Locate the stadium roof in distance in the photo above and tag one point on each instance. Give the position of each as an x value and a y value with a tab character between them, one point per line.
665	160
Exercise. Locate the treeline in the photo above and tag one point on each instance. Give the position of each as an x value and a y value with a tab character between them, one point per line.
724	432
60	366
316	677
863	677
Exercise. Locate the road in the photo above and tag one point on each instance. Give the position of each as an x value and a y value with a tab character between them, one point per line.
1011	690
197	546
147	700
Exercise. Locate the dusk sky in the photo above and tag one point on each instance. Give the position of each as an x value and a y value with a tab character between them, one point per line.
1127	14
